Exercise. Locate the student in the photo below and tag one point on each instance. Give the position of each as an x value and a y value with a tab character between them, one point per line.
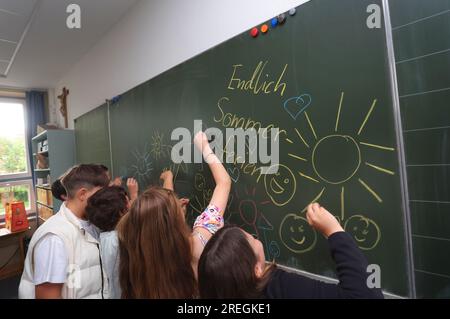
58	190
104	209
158	251
63	259
233	266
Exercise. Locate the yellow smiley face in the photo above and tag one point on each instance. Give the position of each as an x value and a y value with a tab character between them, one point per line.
364	231
296	234
280	186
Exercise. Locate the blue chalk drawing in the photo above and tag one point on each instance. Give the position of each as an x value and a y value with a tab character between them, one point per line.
302	102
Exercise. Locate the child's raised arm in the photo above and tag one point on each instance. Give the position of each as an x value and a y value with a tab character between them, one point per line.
167	178
221	177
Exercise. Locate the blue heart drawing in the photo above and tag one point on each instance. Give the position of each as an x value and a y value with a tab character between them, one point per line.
302	102
234	174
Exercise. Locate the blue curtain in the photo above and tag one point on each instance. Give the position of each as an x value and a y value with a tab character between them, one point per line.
34	115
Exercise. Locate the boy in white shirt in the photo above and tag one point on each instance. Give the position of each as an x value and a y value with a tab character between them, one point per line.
63	259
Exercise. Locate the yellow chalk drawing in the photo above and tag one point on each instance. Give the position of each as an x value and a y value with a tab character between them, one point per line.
308	177
315	200
370	190
231	120
339	112
282	186
298	157
301	137
365	231
358	153
158	149
289	141
367	116
380	169
310	125
296	234
378	146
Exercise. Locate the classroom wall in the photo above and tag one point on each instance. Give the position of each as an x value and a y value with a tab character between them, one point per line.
153	37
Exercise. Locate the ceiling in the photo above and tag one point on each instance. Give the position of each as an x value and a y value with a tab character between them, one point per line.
49	49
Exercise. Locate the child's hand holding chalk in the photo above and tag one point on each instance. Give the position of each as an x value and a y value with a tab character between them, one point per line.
322	220
133	188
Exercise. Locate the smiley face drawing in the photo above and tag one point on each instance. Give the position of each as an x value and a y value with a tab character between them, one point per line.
296	234
281	186
364	231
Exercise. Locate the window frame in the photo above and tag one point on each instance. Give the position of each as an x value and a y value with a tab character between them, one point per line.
31	196
22	178
29	173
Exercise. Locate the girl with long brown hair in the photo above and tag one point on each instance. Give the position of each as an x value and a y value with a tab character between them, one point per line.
159	253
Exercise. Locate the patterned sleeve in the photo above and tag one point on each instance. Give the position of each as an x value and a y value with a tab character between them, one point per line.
210	219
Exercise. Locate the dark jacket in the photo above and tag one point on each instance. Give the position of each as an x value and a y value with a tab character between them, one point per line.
351	268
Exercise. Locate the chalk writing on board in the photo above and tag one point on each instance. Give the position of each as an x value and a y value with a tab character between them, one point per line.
238	169
335	160
142	167
296	234
233	120
258	82
296	105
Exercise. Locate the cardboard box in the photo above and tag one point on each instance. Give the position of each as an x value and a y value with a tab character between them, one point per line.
16	217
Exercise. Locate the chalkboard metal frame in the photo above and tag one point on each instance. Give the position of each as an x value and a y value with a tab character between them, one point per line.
400	145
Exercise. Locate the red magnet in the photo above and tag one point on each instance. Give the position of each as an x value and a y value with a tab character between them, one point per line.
264	28
254	33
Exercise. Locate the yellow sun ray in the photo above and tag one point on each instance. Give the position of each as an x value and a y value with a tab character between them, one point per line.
378	146
381	169
314	200
370	190
339	112
342	203
289	141
298	157
310	125
308	177
367	116
301	137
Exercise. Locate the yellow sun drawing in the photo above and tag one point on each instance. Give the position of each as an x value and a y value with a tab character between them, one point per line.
158	149
327	175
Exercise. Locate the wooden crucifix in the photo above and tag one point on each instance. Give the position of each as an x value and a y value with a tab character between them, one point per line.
63	108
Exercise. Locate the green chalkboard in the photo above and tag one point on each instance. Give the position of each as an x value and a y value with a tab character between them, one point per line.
327	88
421	34
92	137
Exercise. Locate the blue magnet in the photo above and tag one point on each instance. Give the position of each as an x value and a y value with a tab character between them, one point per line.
292	12
274	22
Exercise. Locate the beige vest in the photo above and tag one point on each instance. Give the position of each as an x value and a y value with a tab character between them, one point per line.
86	277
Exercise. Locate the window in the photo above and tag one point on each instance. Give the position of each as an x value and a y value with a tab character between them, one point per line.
15	172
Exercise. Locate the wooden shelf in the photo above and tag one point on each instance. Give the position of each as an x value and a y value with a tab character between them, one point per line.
61	156
46	187
42	204
40	136
41	153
